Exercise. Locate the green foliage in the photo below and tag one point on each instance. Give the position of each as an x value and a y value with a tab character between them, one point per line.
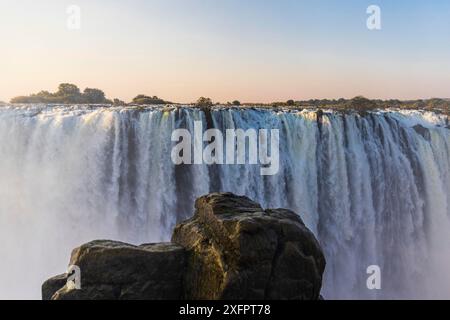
203	102
361	103
93	95
67	89
67	93
118	102
290	103
143	99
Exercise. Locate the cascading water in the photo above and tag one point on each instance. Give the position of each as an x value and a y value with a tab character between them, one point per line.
374	188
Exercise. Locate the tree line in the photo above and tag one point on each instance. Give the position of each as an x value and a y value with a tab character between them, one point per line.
68	93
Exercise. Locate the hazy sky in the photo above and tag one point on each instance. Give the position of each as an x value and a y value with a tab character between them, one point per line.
251	50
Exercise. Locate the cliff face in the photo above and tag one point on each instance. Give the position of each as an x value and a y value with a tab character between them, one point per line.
230	249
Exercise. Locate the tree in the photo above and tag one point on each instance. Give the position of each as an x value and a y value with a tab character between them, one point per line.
44	94
21	99
143	99
236	103
67	89
118	102
362	103
290	103
67	93
204	102
93	96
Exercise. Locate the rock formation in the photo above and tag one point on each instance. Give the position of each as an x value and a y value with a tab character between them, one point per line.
230	249
116	270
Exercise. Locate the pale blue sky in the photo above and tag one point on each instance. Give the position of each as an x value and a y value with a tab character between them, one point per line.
251	50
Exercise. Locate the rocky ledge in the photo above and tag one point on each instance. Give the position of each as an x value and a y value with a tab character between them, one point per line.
231	249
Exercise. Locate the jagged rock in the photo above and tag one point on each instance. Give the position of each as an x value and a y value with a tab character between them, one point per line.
424	132
115	270
52	285
237	250
230	249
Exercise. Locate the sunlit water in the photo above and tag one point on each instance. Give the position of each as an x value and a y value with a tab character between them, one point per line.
374	190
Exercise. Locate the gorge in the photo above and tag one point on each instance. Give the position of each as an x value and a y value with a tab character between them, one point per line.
373	187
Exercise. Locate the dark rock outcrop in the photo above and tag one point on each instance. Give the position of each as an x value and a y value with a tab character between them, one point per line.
52	285
230	249
237	250
116	270
424	132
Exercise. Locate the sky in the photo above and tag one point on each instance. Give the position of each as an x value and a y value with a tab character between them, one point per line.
249	50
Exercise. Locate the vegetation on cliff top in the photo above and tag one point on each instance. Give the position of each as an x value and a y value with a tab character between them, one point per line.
67	93
70	94
363	104
203	102
143	99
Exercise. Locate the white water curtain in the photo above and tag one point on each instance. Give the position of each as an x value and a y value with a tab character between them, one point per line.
374	189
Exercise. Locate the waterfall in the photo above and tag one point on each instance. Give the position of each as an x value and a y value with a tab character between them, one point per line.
374	188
